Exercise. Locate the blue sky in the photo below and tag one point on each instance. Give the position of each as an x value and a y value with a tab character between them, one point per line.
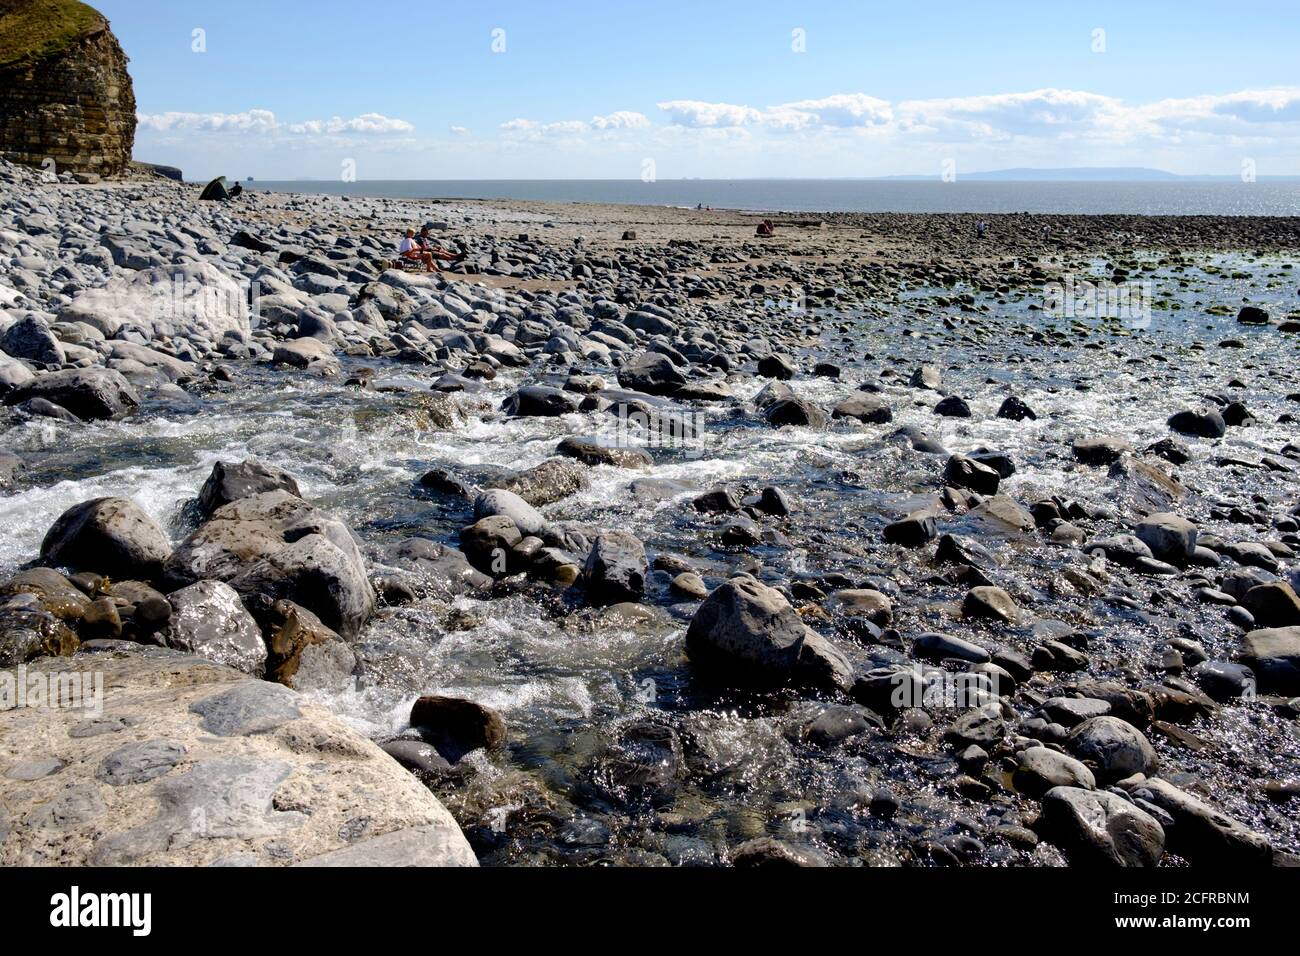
712	88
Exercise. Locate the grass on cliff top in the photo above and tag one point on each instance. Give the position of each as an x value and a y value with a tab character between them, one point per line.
32	29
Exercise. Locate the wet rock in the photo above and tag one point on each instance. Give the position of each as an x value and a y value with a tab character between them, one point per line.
927	376
89	393
916	529
1114	747
779	367
1101	451
499	502
643	767
1097	828
748	631
1273	605
1039	769
456	726
1003	512
302	652
1206	423
1274	655
1149	486
553	480
590	451
936	647
113	536
1202	834
209	620
616	569
539	401
1016	410
864	409
418	757
488	545
230	482
956	549
689	585
326	577
651	373
1170	537
1224	681
963	472
796	412
990	602
837	724
1125	549
770	853
953	407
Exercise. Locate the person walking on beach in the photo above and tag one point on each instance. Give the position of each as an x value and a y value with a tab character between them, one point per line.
981	227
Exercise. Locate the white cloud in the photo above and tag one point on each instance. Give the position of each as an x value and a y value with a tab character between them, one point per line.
264	121
621	120
252	121
696	113
1040	112
842	110
459	130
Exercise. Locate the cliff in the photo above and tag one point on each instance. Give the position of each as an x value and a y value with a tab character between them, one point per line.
65	94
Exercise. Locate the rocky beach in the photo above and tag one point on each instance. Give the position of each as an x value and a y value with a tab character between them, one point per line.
634	538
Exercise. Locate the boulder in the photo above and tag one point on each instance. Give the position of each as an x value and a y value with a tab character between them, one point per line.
316	572
89	393
652	373
276	544
539	401
209	620
963	472
229	482
1273	605
1039	769
1114	747
1202	834
195	764
456	726
1170	537
1100	829
795	411
31	339
499	502
111	536
1206	423
747	631
616	569
1274	655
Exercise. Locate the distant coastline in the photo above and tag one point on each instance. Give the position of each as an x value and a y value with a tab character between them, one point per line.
1179	196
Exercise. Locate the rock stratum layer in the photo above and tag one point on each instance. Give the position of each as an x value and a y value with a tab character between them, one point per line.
65	94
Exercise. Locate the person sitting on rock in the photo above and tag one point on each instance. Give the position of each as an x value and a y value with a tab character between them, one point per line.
765	228
410	249
425	242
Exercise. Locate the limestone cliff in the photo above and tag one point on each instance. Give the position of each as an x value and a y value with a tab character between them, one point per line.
65	94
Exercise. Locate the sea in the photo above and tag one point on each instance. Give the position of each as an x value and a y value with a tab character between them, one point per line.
1187	198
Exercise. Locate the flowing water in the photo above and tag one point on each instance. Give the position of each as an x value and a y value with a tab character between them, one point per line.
583	779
